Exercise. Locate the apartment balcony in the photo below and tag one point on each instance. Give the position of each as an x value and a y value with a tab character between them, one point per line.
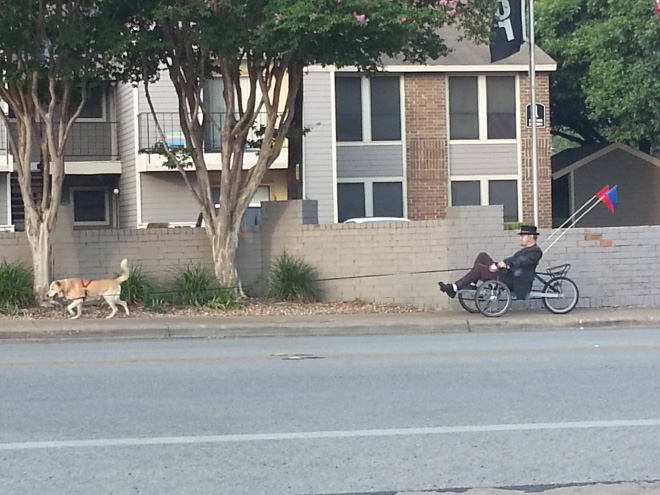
151	142
90	149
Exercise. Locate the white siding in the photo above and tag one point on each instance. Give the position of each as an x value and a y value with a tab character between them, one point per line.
369	161
483	159
126	135
5	200
318	168
166	198
163	96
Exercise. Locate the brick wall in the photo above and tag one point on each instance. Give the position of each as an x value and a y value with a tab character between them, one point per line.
97	253
400	263
426	145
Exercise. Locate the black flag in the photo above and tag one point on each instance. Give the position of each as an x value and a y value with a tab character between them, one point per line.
508	30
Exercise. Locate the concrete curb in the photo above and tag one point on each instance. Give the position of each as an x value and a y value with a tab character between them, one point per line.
322	325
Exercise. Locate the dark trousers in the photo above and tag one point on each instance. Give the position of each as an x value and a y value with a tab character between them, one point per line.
481	271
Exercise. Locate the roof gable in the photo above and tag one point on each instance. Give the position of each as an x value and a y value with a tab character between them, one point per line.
570	160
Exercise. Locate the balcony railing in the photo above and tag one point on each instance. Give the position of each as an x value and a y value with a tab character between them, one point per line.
150	139
88	141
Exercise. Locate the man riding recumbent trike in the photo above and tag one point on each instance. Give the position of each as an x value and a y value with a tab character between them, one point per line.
511	278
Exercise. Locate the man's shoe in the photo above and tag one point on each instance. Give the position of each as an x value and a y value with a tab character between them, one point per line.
447	289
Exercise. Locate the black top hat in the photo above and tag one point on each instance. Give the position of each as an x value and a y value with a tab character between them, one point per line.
528	230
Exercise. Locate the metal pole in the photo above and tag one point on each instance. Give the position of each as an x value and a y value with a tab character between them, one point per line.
532	90
569	219
571	226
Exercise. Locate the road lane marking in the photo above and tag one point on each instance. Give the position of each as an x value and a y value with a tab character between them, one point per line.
313	435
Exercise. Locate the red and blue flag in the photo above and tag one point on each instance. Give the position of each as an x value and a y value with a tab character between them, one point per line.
609	197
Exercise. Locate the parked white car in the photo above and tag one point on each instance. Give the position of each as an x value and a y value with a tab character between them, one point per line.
376	219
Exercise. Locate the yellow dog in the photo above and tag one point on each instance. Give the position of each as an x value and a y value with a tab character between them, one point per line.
79	289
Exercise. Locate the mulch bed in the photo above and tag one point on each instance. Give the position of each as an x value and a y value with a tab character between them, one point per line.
254	307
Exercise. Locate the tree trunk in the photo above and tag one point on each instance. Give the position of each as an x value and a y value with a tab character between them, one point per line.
224	246
40	244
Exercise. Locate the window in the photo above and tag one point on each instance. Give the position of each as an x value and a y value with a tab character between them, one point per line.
482	107
262	194
93	108
90	206
368	109
487	192
463	108
252	214
385	109
501	108
504	192
465	193
350	199
370	198
388	199
349	108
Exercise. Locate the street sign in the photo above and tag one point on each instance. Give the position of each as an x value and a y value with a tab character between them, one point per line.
540	115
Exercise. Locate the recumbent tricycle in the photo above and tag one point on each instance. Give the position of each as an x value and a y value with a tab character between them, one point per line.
493	297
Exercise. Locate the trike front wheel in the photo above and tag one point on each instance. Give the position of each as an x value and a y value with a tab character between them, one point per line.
560	295
493	298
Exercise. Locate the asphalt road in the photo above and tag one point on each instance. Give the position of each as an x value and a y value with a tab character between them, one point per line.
329	415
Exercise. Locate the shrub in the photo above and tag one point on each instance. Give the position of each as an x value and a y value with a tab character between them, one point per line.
15	286
515	225
291	279
138	287
196	285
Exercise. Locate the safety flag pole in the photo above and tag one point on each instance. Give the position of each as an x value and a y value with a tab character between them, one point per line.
609	198
596	196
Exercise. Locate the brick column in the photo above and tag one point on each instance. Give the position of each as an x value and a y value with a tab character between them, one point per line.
543	153
426	145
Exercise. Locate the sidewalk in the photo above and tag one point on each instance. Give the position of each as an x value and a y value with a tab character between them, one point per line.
340	324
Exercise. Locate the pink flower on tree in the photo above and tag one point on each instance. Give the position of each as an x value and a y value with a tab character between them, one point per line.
361	18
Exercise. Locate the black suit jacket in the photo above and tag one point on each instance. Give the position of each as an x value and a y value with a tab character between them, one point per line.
523	266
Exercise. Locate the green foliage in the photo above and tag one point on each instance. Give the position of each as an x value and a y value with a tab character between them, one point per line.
608	54
196	285
291	279
155	304
515	225
81	41
178	156
225	298
138	287
15	286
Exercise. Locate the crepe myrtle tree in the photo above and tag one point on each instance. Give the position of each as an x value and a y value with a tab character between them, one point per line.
51	53
269	43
